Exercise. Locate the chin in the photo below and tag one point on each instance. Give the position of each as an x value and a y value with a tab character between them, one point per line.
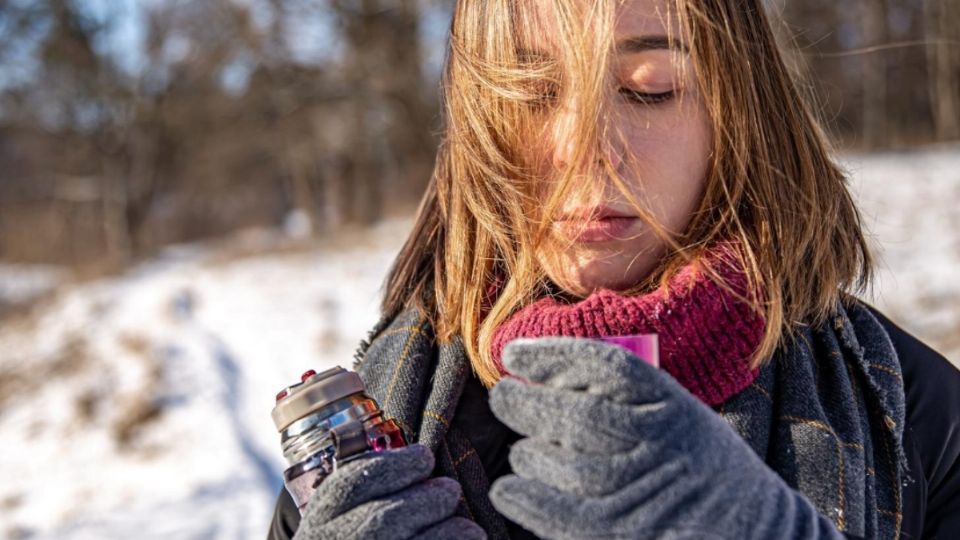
584	280
581	272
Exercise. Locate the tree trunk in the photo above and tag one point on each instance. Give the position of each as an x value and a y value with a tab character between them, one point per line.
943	66
876	131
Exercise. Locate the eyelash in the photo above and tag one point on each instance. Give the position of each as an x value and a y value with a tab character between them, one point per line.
638	98
643	98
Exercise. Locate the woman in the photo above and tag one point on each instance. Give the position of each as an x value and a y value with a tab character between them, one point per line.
635	167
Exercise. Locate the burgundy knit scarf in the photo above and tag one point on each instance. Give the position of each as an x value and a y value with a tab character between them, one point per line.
706	334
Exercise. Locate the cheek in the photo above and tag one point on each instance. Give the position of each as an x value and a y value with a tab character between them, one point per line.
669	160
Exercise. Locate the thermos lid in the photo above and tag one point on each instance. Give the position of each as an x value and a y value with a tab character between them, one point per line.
317	390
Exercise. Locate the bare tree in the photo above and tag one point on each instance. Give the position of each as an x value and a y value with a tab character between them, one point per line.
942	32
875	105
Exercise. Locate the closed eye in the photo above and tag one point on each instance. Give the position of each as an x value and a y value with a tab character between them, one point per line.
645	98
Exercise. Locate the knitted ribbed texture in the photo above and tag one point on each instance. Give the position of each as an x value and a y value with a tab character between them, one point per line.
706	334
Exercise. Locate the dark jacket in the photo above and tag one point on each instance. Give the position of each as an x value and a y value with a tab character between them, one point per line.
931	442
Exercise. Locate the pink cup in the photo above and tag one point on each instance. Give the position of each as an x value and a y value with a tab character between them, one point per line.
644	346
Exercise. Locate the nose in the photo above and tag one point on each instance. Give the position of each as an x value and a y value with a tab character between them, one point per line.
565	140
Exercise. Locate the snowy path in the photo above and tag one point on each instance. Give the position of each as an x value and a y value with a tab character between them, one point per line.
163	428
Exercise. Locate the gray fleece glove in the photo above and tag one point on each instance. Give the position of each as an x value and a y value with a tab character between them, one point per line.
386	495
618	449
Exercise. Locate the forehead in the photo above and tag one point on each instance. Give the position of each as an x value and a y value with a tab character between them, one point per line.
646	17
632	18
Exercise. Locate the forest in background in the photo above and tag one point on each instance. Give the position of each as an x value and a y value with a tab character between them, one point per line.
127	125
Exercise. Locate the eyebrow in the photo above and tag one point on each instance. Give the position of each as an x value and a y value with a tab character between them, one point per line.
638	44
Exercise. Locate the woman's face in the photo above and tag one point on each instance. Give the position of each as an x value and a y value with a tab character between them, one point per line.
661	154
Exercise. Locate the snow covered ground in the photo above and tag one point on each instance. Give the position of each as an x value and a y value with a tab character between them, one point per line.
911	205
139	405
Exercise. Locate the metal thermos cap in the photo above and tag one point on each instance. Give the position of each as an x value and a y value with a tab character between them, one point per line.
314	393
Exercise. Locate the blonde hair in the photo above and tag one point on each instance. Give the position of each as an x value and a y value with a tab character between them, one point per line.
771	184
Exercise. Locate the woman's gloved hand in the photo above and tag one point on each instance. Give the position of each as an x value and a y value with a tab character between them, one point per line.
618	449
387	495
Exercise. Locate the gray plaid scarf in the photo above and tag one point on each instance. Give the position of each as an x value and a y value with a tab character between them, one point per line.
826	414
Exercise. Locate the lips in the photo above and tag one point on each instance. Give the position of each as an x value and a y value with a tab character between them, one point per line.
601	224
